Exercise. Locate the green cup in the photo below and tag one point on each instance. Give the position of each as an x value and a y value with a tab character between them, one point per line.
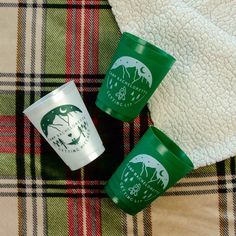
155	164
137	69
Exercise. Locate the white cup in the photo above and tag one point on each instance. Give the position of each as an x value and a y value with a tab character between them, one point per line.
63	120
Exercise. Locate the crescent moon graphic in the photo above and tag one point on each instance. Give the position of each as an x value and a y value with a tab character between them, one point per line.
63	110
161	173
142	70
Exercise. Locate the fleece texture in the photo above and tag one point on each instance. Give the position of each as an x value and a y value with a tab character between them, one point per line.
195	104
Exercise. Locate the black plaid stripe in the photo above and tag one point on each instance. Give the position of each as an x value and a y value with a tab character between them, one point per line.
37	188
176	190
132	137
223	214
20	159
26	82
56	6
53	76
134	131
43	56
147	221
24	198
32	139
233	172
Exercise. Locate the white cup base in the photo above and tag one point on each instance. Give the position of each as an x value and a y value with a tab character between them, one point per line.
89	159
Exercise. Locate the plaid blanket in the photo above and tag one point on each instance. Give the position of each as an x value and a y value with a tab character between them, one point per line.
43	44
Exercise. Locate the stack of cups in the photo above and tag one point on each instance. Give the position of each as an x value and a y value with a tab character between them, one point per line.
155	164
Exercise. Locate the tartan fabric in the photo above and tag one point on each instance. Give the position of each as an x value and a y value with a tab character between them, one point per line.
43	44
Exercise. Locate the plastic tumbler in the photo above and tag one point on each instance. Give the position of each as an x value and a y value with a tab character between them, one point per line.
155	164
63	120
137	69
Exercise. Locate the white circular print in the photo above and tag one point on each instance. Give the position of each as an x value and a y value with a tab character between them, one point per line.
143	179
129	80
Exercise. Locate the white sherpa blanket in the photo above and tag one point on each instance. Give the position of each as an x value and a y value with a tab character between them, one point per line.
196	103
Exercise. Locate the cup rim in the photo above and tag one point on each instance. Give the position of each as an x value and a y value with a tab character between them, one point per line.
171	147
150	46
50	94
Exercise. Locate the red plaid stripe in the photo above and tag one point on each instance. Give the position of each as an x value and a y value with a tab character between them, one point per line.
7	127
8	136
82	58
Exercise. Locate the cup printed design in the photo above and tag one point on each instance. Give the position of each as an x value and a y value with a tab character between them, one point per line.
143	179
129	80
66	128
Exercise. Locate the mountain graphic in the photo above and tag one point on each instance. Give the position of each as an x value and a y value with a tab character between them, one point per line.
152	173
61	112
132	74
129	80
